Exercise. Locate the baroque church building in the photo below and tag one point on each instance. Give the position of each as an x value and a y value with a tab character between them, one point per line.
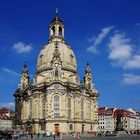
56	101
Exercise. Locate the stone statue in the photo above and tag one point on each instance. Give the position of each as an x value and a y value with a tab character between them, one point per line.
119	126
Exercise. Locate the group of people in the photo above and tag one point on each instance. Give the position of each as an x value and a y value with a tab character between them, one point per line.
77	136
57	136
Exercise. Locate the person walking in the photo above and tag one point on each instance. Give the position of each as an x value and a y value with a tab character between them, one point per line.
61	136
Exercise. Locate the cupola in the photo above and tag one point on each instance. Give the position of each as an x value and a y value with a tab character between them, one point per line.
56	29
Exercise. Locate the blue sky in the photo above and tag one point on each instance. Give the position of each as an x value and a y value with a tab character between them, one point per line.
104	33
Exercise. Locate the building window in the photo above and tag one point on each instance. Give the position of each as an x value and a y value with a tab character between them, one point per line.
56	106
43	108
82	109
91	127
56	72
71	127
89	86
30	115
69	108
60	30
43	127
53	30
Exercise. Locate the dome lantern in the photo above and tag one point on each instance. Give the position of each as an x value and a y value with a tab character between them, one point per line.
56	29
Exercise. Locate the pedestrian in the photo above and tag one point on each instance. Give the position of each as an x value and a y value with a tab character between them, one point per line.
61	136
74	135
54	136
78	136
58	136
31	135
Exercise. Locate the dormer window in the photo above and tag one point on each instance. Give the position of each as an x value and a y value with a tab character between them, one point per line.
41	58
71	58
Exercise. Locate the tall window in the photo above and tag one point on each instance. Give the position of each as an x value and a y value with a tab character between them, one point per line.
56	106
53	30
82	109
30	108
69	108
89	86
71	127
43	108
56	72
60	31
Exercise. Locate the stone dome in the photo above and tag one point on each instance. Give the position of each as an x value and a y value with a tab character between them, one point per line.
66	54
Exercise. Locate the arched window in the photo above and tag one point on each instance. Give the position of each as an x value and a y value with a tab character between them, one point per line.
30	115
82	109
89	86
60	30
43	108
56	72
53	30
91	127
69	108
56	106
71	127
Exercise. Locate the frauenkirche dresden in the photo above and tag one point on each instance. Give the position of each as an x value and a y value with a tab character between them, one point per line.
56	100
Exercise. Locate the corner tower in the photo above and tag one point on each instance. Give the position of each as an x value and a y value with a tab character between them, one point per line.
88	77
25	78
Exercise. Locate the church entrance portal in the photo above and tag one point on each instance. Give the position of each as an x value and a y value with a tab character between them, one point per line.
56	128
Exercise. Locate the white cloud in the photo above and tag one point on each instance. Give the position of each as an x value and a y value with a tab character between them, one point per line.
131	79
21	47
134	62
96	41
137	24
121	52
120	47
10	105
9	71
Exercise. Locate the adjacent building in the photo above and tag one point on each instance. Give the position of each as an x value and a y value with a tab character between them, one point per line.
6	119
56	100
107	119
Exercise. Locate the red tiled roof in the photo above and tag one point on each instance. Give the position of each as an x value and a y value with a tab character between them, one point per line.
101	111
124	113
4	117
4	110
109	111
